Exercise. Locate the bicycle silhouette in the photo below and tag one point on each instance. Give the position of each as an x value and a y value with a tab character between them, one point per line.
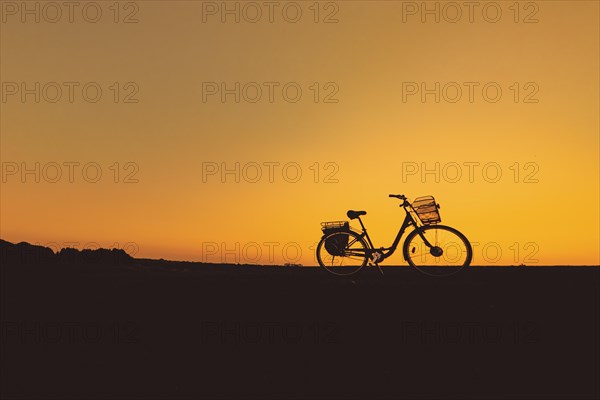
344	251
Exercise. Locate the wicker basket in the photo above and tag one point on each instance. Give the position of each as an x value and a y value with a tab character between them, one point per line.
336	245
427	210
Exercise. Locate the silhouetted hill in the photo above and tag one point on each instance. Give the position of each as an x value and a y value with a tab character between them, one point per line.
28	254
39	256
25	253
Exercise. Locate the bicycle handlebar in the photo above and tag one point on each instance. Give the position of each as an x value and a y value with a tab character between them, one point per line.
398	196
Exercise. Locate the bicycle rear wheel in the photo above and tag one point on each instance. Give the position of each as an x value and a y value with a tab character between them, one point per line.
345	253
437	250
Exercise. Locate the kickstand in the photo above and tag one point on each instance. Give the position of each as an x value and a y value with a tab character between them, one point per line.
378	267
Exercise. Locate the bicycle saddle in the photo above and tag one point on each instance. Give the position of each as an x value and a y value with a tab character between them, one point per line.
355	214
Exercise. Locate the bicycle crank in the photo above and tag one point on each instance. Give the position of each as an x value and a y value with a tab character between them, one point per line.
375	257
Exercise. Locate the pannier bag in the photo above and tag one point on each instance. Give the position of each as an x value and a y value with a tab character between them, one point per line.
336	244
427	210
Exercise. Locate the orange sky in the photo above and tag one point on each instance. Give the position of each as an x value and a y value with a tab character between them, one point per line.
364	133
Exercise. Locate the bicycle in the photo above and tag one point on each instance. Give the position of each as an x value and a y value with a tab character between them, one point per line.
343	250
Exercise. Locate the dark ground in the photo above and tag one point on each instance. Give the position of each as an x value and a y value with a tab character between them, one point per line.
81	331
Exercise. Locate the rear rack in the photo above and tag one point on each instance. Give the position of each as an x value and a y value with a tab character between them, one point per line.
332	225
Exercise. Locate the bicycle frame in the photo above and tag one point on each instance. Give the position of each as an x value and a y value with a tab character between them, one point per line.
386	252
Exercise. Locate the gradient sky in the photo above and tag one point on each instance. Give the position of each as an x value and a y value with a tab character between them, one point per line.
546	214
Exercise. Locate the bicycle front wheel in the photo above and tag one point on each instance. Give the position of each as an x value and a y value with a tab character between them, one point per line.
437	250
342	253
